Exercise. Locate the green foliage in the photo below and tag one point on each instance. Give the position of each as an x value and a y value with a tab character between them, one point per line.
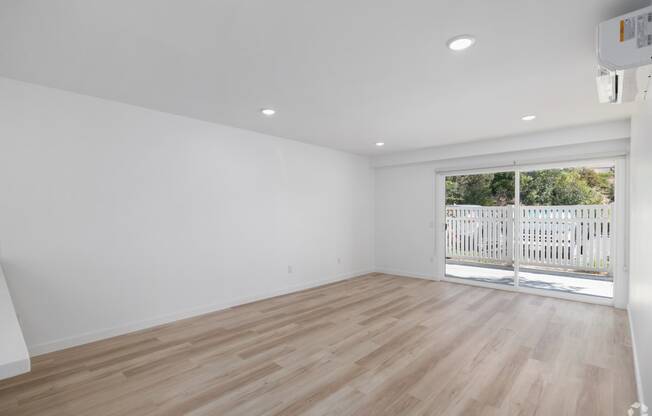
471	189
576	186
502	188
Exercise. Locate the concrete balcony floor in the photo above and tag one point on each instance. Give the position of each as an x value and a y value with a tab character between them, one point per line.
561	281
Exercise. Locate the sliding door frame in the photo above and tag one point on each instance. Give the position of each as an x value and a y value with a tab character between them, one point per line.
619	252
518	249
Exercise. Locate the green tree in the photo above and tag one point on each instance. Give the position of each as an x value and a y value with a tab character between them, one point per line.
454	195
502	188
470	190
571	189
602	182
575	186
537	187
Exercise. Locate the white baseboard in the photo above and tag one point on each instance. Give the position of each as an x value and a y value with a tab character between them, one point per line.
60	344
403	273
637	372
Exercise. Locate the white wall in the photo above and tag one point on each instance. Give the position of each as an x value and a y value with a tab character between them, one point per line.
404	239
640	296
114	217
405	194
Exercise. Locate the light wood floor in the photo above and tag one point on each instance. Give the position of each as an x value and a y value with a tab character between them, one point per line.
372	345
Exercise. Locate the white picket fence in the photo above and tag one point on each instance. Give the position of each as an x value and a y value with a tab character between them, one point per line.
577	237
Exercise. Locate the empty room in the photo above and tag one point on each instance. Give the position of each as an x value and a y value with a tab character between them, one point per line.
325	208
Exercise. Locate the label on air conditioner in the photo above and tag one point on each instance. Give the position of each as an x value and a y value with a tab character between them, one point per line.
644	30
627	29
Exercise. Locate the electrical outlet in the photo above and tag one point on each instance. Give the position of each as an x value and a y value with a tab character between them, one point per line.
339	260
289	269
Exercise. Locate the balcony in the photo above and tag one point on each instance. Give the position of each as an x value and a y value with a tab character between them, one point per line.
561	248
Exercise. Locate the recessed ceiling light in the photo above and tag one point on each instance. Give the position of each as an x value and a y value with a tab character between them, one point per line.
380	144
461	42
529	117
268	112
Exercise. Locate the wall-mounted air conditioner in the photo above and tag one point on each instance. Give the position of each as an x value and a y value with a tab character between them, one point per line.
624	49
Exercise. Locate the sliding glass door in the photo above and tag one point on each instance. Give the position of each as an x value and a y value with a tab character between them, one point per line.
567	229
480	227
533	228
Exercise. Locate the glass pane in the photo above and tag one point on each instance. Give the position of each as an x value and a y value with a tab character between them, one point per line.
480	227
567	229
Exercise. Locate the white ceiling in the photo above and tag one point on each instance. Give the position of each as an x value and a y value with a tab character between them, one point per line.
342	74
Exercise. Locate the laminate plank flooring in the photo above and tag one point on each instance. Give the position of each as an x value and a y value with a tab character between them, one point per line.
372	345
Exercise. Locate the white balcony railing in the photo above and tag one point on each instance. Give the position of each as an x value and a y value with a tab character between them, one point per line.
576	237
